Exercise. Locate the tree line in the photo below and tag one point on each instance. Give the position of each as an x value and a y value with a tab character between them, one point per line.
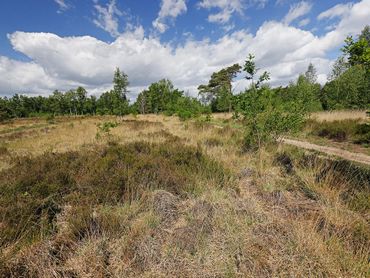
72	102
160	97
348	87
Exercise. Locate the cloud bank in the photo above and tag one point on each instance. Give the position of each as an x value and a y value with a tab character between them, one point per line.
66	62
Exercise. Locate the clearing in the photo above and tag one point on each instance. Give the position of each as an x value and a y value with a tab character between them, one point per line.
152	196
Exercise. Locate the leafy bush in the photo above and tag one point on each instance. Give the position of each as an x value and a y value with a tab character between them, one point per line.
349	91
265	119
104	129
184	115
106	126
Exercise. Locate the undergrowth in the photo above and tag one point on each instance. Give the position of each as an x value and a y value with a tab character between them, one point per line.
355	131
31	200
172	209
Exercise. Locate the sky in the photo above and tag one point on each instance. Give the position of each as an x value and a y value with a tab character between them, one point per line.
62	44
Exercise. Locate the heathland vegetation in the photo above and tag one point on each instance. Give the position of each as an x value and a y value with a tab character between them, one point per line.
163	187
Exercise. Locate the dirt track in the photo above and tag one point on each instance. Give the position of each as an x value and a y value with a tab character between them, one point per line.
356	157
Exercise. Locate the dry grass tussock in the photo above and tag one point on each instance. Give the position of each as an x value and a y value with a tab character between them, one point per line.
330	116
351	134
155	197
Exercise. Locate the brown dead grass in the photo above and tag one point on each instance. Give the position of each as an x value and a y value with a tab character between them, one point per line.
331	116
287	217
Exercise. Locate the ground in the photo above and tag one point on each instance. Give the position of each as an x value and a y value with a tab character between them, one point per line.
153	196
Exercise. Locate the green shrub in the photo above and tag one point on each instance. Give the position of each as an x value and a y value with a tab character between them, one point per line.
265	119
104	129
106	126
184	115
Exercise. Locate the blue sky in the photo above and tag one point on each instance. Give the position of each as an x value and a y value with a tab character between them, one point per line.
60	44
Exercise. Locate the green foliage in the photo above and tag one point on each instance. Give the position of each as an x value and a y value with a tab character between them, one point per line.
112	103
266	116
266	119
184	115
72	102
349	86
50	118
188	108
5	110
159	97
306	93
251	70
104	129
115	102
340	66
311	74
120	84
250	67
106	126
208	116
358	52
351	90
218	91
162	97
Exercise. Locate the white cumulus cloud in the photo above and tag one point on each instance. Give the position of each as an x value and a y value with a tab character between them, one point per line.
227	9
336	11
66	62
107	17
169	9
297	10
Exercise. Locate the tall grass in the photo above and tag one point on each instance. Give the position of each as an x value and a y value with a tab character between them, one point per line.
164	198
330	116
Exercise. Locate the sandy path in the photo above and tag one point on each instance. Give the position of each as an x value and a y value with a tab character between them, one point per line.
357	157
